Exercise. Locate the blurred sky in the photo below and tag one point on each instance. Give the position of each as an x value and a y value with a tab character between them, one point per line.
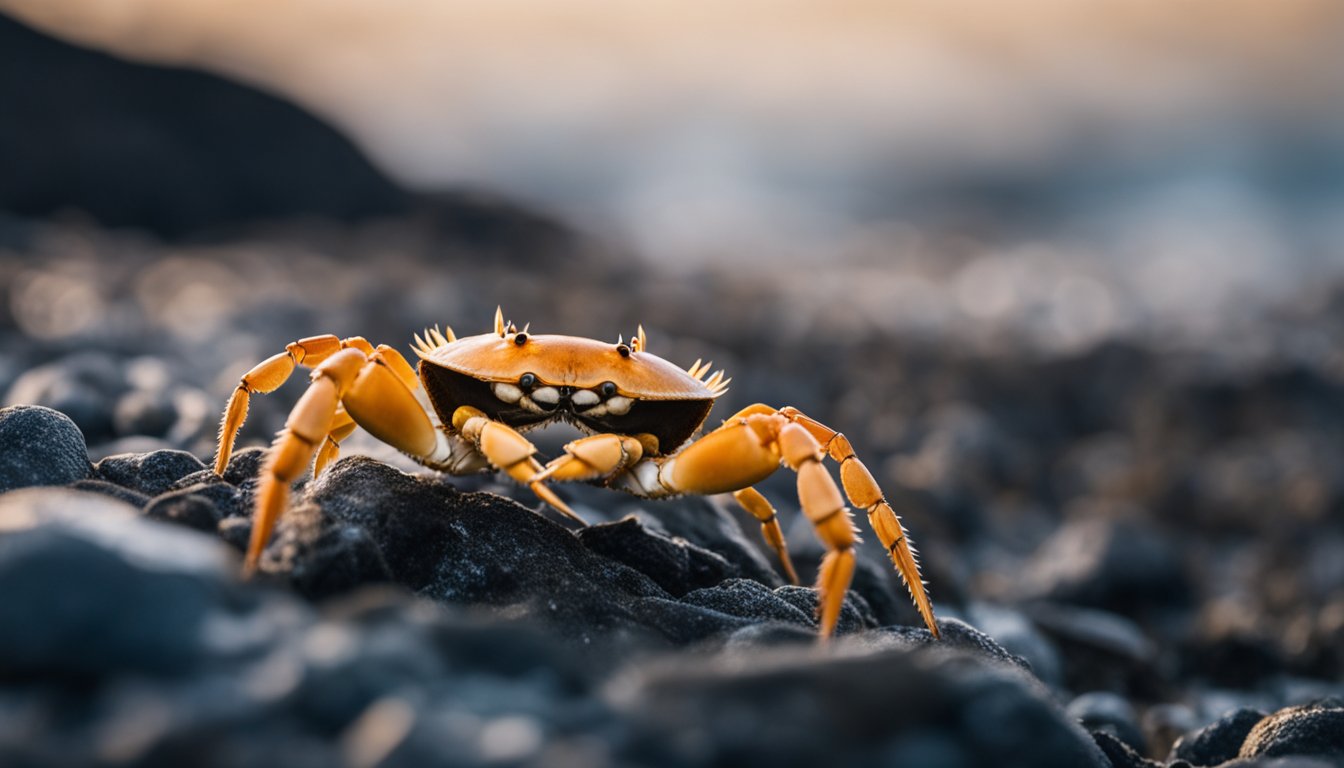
1193	150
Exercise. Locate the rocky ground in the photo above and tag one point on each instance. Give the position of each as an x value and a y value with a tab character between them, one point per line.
1136	548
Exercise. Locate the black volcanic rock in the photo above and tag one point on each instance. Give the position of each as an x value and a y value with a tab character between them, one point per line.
786	707
39	446
166	149
1218	741
149	473
92	589
1315	730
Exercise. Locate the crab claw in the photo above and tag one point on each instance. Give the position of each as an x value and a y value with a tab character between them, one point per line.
598	457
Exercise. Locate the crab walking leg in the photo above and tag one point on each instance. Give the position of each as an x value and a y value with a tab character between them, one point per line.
508	452
341	427
821	502
745	451
374	397
761	509
864	493
268	375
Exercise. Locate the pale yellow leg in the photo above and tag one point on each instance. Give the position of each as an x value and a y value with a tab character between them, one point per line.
267	376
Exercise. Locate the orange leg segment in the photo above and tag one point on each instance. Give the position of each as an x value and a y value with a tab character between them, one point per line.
863	492
372	396
267	376
509	452
761	509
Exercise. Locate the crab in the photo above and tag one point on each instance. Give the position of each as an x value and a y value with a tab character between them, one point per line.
464	411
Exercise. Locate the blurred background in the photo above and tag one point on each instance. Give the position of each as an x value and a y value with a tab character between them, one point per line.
1068	274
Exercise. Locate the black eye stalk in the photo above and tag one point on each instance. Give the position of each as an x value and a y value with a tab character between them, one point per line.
527	381
623	349
520	338
607	389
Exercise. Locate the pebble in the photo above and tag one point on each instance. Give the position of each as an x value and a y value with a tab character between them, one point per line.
40	446
149	473
1109	712
1118	564
83	386
75	566
1310	729
1218	741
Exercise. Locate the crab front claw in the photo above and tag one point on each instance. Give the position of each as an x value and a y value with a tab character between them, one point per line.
597	458
509	452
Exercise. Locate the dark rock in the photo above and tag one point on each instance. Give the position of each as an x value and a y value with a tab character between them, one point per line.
75	566
1219	741
1117	564
133	444
144	412
186	509
339	560
1100	650
266	157
770	634
705	524
1281	762
727	712
121	493
1015	632
854	611
228	499
1110	713
751	600
149	473
954	634
1121	754
674	564
1227	652
82	386
244	466
1163	724
1315	730
236	532
467	548
40	446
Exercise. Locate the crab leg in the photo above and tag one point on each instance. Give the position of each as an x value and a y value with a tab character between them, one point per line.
374	397
746	450
268	375
761	509
598	458
509	452
863	492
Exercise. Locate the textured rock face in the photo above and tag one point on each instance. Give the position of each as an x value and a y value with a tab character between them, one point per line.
534	647
39	446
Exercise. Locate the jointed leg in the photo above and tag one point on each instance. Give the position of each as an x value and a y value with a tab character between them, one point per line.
747	449
863	492
760	508
341	427
268	375
508	452
373	396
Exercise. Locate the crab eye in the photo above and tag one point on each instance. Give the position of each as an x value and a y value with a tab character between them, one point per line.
527	381
607	389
